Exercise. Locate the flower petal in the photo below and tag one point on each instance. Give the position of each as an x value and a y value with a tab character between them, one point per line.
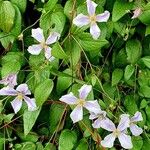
95	31
16	104
103	17
84	91
91	7
48	54
81	20
30	103
124	122
92	106
38	34
8	91
77	114
136	13
108	141
125	141
93	115
69	99
136	131
53	37
23	88
97	123
108	125
35	49
137	117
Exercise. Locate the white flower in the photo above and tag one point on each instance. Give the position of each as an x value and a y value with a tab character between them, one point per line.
39	36
99	118
10	80
20	93
77	113
136	131
92	18
136	13
118	132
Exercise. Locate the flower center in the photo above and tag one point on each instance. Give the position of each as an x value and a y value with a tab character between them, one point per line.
92	18
43	44
116	132
20	96
81	102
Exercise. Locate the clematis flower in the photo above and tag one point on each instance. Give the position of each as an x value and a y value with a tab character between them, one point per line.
119	132
80	103
10	80
91	19
133	127
100	118
44	44
136	13
21	93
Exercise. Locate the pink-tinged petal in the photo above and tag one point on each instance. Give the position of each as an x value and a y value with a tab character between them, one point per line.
23	88
35	49
77	114
136	13
103	17
95	31
84	91
81	20
108	125
30	103
124	122
125	141
92	106
53	37
108	141
38	34
8	91
91	7
137	117
136	131
69	99
16	104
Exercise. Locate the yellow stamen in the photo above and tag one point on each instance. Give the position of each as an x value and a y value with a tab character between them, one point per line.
116	132
81	102
92	18
20	96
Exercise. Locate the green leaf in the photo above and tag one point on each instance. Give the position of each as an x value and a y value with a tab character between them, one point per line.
68	8
50	5
88	43
137	143
22	4
146	143
129	70
120	8
143	104
43	91
133	50
83	145
2	142
130	104
7	16
116	76
58	52
145	91
56	112
29	118
144	17
146	61
67	140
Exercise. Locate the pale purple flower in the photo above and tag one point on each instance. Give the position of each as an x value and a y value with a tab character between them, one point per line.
80	103
20	94
119	132
136	13
43	44
135	130
91	19
99	118
10	80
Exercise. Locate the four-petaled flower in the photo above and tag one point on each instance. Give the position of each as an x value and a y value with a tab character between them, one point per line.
44	44
10	80
135	130
119	132
99	118
77	113
20	92
91	19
